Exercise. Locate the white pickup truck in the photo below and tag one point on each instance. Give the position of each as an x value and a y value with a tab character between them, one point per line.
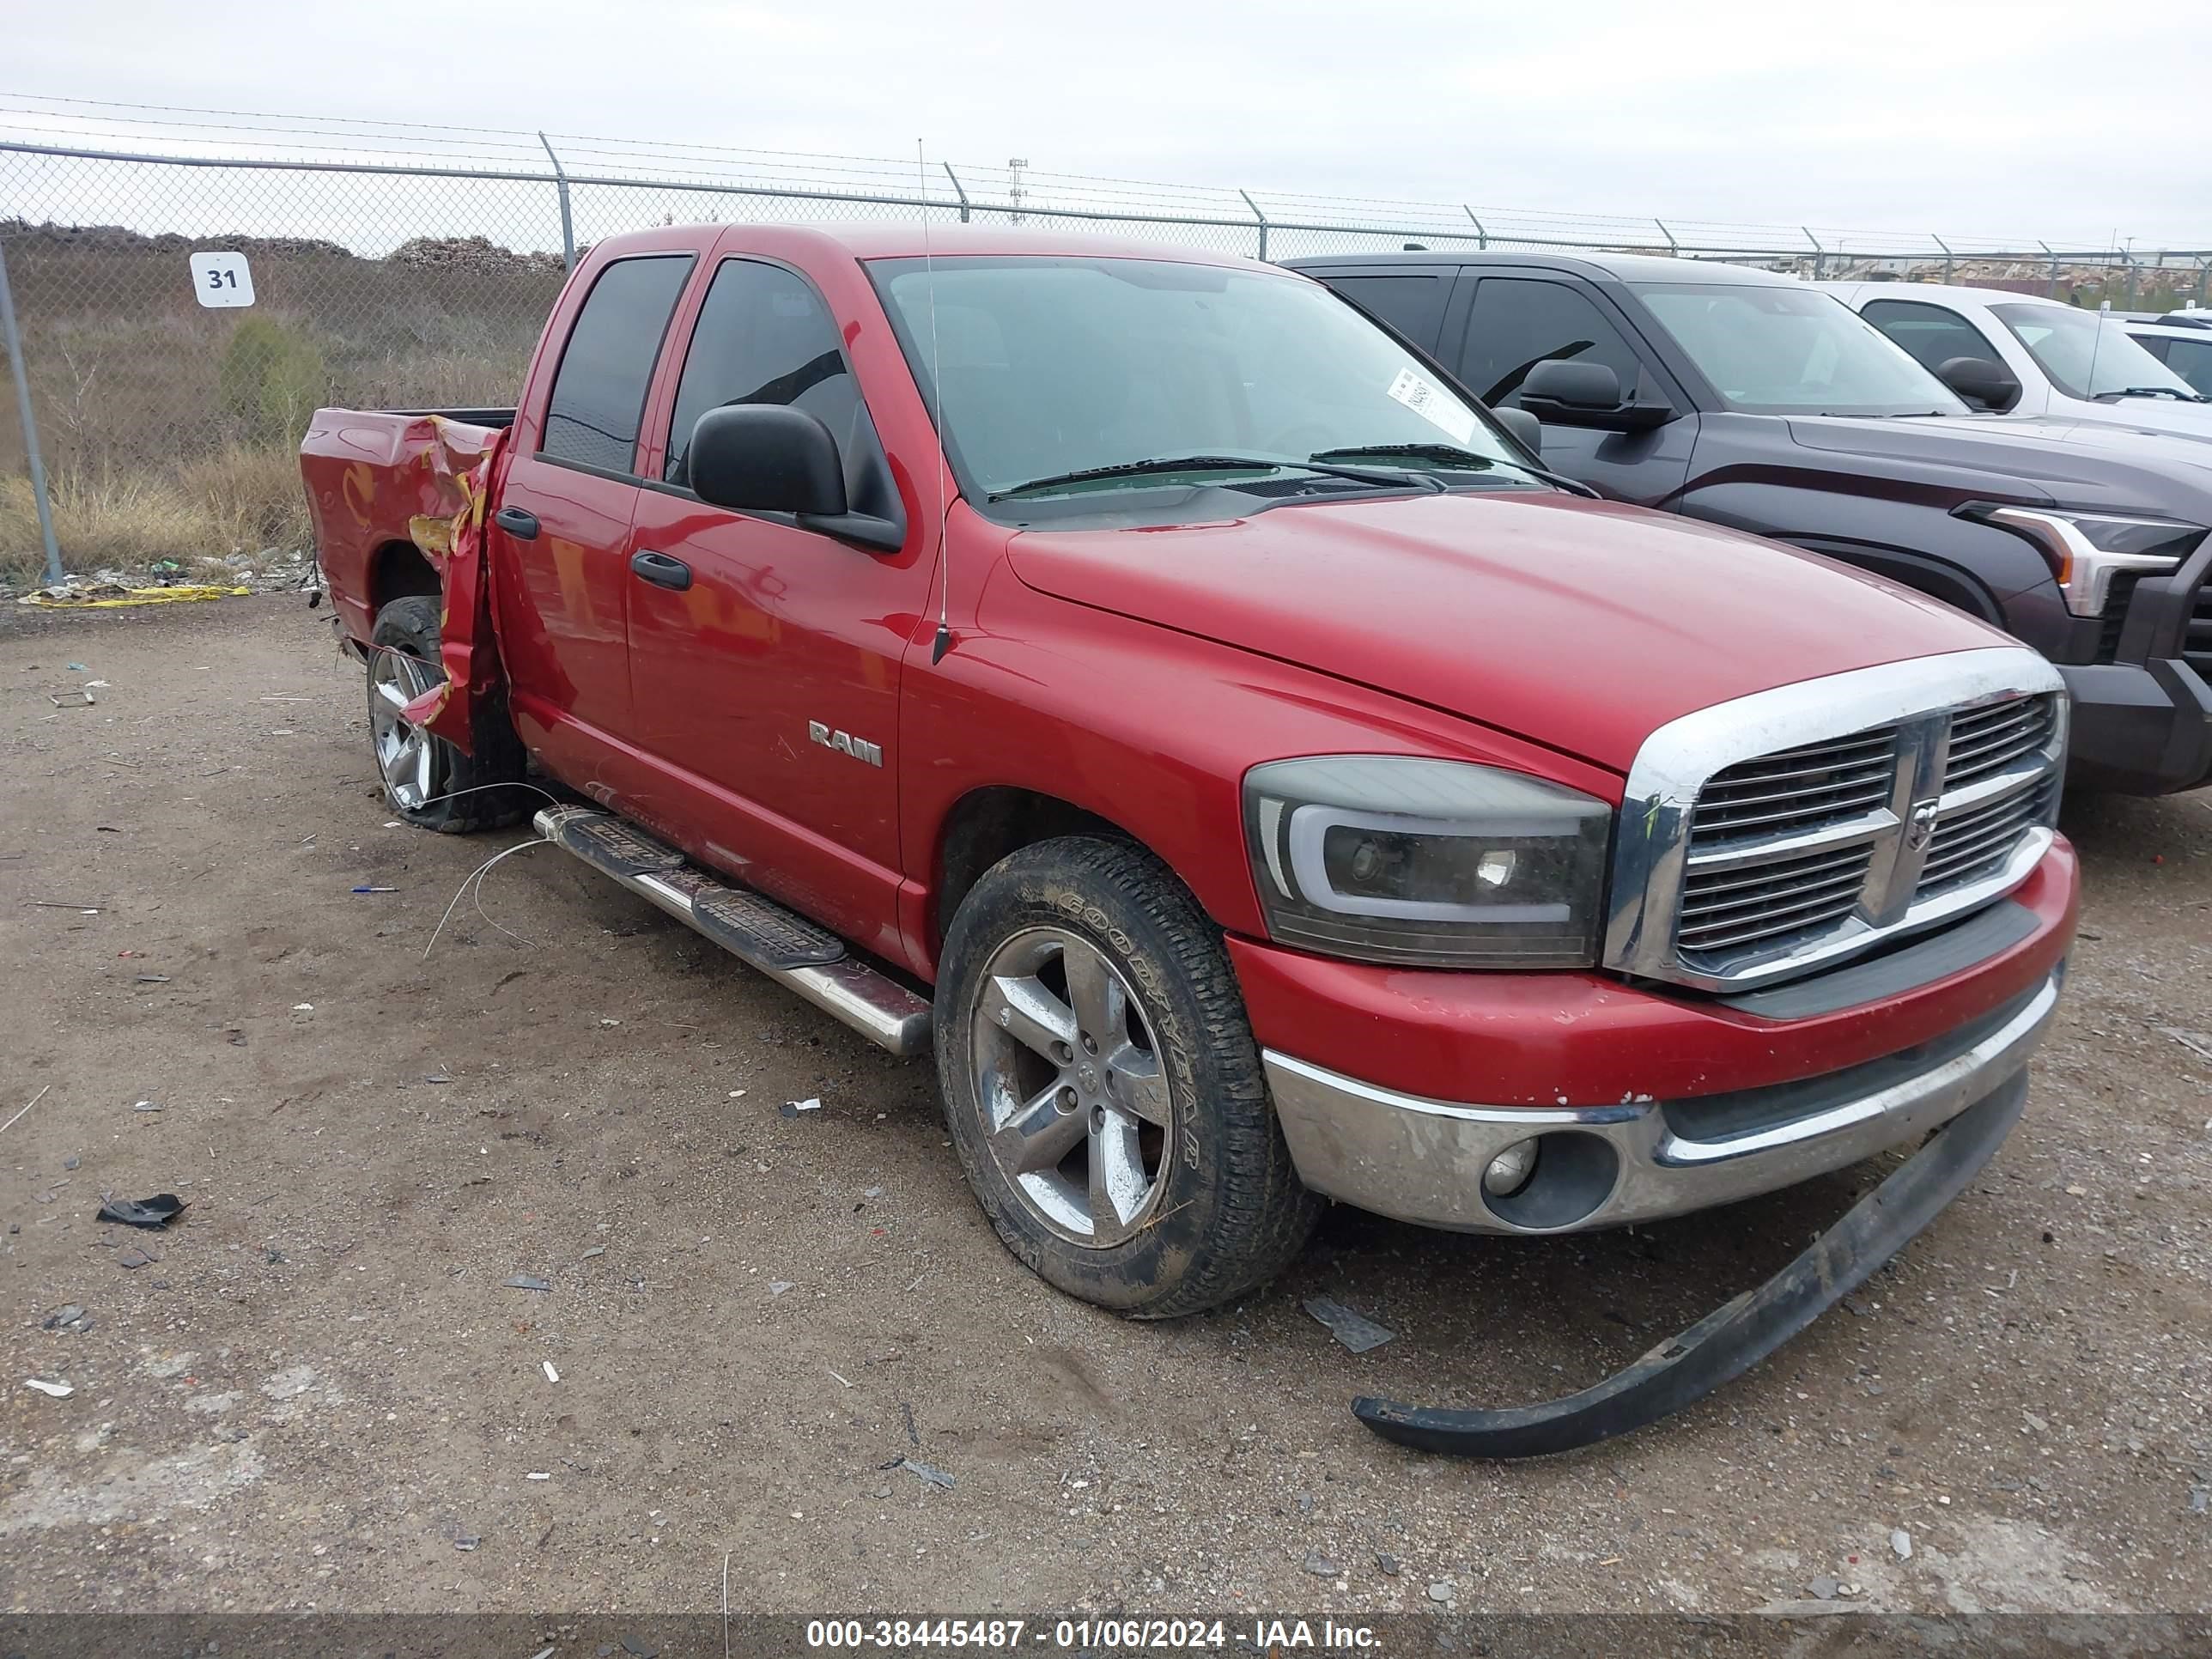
2023	355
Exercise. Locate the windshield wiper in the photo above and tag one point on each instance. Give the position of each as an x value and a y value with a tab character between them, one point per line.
1451	455
1444	455
1206	464
2174	393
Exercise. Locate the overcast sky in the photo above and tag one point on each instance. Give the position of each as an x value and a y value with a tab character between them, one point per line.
2011	121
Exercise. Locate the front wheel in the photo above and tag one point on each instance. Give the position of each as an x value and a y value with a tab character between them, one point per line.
1102	1086
426	781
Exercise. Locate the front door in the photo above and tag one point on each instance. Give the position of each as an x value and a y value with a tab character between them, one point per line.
764	657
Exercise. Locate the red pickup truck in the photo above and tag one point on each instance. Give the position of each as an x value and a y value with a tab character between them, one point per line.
1133	674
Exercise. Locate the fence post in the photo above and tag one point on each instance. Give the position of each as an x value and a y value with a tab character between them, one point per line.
1945	246
2045	246
2128	265
2203	270
568	224
15	341
1674	248
1481	236
1260	216
958	189
1819	254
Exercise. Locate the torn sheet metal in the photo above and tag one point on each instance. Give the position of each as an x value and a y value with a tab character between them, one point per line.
450	466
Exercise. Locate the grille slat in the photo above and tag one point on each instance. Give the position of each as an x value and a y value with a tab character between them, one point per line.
2197	648
1748	903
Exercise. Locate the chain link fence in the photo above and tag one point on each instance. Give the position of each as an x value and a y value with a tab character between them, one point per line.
410	280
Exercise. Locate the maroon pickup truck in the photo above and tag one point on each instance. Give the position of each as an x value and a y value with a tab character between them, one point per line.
1132	674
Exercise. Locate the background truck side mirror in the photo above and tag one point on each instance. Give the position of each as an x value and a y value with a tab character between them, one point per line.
1570	394
766	458
1981	381
1523	426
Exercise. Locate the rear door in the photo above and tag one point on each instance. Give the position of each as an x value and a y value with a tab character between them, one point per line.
764	657
1410	299
1512	323
560	537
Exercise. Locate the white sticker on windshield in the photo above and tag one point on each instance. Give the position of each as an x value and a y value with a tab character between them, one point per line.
1433	405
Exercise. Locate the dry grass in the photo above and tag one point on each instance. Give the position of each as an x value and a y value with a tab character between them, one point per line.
235	501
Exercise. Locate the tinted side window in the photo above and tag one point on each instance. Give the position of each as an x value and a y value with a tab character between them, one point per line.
2192	360
1931	334
598	391
1412	303
1519	322
764	335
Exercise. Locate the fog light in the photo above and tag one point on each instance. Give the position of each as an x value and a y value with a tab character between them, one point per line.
1510	1170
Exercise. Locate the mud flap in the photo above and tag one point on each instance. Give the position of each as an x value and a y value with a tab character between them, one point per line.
1738	1335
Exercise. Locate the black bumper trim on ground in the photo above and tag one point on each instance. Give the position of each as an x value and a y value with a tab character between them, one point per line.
1738	1335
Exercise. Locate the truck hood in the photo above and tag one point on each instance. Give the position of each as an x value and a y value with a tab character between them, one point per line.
2047	457
1582	625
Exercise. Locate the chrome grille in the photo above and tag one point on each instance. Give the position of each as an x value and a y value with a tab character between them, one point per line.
1802	788
1974	841
1985	741
1725	907
1761	867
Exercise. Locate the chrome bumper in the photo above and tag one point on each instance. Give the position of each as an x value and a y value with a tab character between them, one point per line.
1422	1160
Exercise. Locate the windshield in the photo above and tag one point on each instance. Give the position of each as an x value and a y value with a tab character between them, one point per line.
2086	356
1777	350
1050	368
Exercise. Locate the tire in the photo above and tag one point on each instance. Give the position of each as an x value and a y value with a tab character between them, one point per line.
425	780
1164	1106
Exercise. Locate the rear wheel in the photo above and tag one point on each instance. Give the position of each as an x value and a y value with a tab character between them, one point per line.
426	781
1102	1086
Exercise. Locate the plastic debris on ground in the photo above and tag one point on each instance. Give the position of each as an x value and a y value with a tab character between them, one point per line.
59	1390
109	595
1356	1331
793	1108
527	1282
551	1376
158	1210
922	1472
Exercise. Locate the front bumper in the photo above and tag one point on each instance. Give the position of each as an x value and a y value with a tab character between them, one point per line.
2139	728
1423	1160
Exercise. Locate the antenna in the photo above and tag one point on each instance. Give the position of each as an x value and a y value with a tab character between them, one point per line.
944	641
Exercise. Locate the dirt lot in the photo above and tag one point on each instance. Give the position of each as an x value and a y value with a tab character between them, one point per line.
319	1393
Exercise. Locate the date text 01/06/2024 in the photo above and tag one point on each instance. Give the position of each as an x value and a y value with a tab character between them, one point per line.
1085	1633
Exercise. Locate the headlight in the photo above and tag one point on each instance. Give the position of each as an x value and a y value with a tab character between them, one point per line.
2085	549
1395	859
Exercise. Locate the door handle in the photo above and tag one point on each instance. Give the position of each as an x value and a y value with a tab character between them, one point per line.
661	570
523	526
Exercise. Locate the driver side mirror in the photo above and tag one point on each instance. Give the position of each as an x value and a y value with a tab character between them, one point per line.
1570	394
766	458
1979	380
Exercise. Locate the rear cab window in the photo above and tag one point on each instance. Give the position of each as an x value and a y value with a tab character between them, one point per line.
597	405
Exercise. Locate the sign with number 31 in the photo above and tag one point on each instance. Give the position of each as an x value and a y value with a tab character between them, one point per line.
221	280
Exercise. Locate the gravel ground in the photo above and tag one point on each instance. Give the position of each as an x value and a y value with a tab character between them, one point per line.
319	1391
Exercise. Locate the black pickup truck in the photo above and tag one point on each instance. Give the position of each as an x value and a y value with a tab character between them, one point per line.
1753	400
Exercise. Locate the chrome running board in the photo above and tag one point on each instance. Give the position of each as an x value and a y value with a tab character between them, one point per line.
761	934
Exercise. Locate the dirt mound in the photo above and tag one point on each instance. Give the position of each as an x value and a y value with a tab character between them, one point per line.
467	253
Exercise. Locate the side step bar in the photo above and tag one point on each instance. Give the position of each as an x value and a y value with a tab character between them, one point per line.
752	927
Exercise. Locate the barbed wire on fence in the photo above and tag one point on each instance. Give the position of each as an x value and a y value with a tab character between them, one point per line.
406	266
